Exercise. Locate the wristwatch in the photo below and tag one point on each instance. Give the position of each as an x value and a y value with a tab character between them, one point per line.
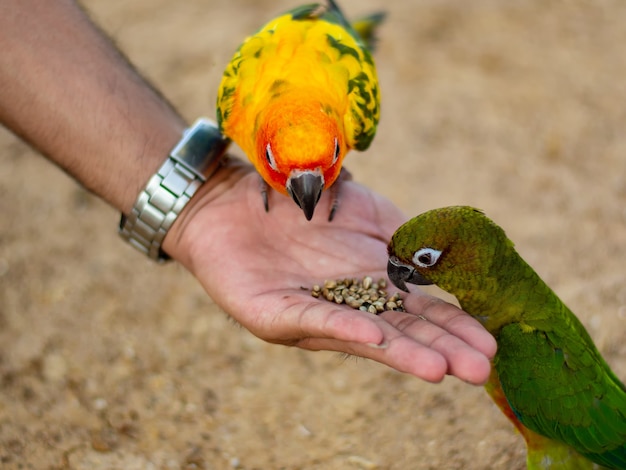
191	162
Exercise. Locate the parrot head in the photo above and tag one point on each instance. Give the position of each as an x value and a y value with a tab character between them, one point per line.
300	149
451	247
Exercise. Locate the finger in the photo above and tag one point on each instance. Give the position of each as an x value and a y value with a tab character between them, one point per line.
304	317
453	320
404	341
462	360
321	325
398	351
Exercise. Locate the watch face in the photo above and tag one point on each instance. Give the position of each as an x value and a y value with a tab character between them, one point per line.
201	147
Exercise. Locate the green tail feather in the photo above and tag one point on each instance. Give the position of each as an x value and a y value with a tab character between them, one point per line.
366	28
363	29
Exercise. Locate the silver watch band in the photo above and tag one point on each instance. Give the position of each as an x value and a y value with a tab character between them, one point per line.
192	161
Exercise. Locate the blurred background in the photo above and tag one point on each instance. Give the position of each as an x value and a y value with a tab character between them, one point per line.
108	361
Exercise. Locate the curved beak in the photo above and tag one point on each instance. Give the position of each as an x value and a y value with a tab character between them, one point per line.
400	273
305	187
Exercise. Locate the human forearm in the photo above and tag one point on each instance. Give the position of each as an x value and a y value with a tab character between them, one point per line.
66	90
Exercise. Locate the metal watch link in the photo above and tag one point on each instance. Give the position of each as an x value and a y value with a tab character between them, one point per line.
191	162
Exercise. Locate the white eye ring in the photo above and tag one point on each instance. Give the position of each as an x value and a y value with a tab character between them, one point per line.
337	149
269	156
426	257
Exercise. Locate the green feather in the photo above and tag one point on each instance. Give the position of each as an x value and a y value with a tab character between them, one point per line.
553	376
362	29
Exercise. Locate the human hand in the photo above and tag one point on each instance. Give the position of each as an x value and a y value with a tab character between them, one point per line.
259	267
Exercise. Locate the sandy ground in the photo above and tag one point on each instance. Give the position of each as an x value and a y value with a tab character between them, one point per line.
108	361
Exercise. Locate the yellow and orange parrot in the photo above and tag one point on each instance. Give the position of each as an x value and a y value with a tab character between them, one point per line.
299	94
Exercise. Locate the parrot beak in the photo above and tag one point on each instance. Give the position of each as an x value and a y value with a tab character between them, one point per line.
400	273
305	187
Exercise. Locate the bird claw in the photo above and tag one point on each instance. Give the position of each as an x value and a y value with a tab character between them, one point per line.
264	194
344	175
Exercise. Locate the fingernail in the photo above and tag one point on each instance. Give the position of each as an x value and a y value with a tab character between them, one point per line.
383	345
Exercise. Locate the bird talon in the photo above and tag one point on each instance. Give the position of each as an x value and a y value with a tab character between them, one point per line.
344	175
264	194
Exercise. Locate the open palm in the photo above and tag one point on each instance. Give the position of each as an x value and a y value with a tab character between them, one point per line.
259	267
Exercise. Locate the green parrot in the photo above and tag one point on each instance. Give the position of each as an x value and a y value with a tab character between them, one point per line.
547	377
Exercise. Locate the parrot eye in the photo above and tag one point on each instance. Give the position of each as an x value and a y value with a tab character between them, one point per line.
337	150
269	156
426	257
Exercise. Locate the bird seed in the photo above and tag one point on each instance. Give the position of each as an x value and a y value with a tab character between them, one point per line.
360	294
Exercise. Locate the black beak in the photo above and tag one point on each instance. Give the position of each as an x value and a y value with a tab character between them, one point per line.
400	273
305	188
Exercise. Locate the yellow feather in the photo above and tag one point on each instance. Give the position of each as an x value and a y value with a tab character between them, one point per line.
311	67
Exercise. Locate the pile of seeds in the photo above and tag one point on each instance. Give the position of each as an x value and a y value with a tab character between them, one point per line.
361	294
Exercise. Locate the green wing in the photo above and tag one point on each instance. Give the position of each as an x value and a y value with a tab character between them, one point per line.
559	386
363	30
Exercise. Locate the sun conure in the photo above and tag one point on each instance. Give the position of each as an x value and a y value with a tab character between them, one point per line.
547	377
300	93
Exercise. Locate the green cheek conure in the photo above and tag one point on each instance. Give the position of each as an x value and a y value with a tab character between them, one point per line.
547	377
